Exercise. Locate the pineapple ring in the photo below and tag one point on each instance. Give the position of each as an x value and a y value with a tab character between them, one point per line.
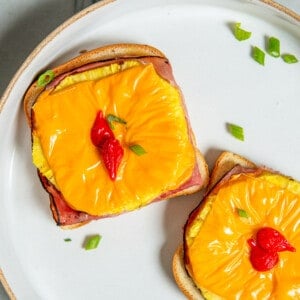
155	120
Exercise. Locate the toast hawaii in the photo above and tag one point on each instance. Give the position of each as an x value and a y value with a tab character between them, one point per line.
243	240
111	134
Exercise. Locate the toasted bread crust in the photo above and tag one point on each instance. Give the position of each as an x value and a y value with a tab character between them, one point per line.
224	164
105	53
183	280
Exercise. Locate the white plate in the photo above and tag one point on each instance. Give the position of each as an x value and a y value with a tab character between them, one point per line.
221	84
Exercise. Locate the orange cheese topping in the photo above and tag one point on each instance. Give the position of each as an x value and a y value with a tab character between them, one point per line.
155	120
217	248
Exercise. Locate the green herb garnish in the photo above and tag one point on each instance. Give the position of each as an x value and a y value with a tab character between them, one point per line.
273	47
67	240
137	149
289	58
258	55
242	213
236	131
92	242
45	78
112	118
241	34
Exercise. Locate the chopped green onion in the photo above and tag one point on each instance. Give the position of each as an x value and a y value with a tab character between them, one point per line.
236	131
273	47
242	213
241	34
67	240
92	242
45	78
112	118
137	149
258	55
289	58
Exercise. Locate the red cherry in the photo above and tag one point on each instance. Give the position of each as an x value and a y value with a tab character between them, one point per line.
100	130
262	260
110	148
112	153
272	240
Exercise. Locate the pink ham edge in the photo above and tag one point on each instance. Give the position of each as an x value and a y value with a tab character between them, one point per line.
64	215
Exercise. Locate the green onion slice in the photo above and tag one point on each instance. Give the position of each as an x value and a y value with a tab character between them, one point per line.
258	55
137	149
289	58
236	131
45	78
242	213
92	242
67	240
241	34
112	118
273	47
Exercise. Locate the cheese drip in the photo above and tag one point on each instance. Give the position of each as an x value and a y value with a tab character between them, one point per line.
217	248
155	120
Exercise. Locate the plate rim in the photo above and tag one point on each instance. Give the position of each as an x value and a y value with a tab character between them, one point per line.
275	6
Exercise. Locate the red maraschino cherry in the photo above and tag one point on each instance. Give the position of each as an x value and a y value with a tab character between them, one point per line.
112	154
109	147
100	130
265	248
272	240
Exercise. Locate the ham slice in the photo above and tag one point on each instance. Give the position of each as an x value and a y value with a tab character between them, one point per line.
62	213
66	216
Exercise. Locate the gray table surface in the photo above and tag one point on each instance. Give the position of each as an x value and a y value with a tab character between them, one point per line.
24	24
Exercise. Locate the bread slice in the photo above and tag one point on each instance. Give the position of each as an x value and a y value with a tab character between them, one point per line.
243	176
65	216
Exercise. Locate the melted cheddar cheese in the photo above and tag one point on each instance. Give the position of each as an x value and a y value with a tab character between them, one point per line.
64	153
216	239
